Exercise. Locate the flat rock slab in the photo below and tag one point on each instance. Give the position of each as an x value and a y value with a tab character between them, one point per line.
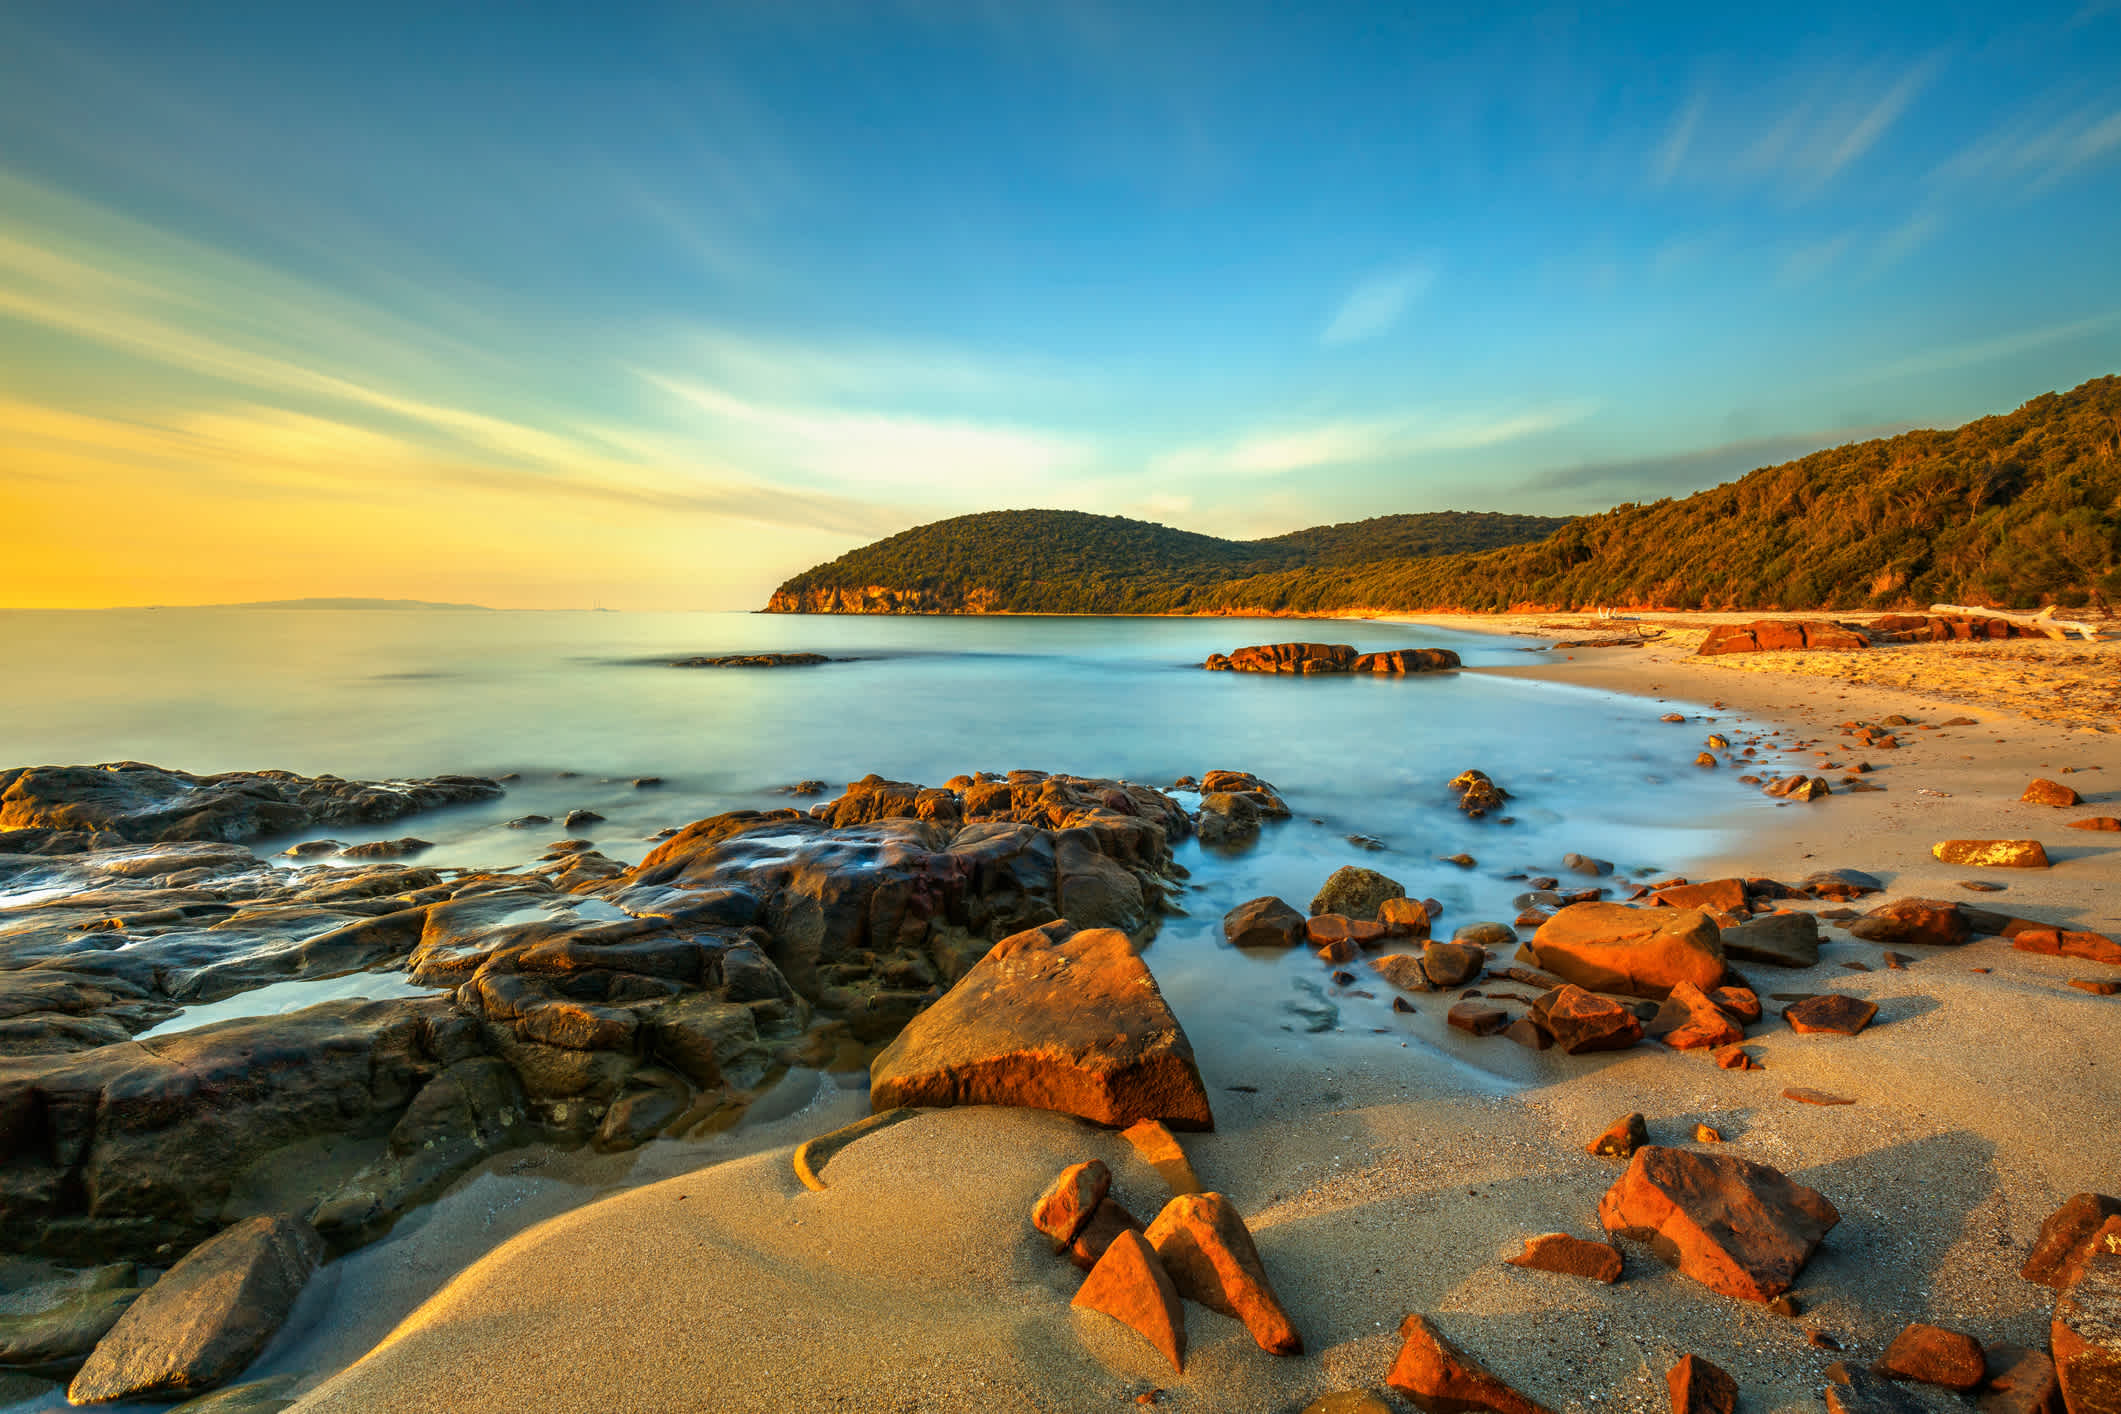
1804	1095
812	1155
1777	939
1640	952
1829	1013
1050	1020
207	1318
1737	1227
1569	1256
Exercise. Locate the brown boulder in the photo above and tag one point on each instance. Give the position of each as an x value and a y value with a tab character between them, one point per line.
1263	923
1570	1256
1106	1223
1129	1285
1580	1022
2057	942
1403	970
1404	917
1926	922
1735	1226
1066	1205
2064	1243
1480	1018
2047	792
1993	854
2086	1338
1697	1387
1716	896
1934	1356
1829	1013
1210	1255
2023	1382
1643	952
1055	1020
1687	1020
1741	1004
1777	939
1439	1379
1356	893
1621	1138
1735	1058
1452	964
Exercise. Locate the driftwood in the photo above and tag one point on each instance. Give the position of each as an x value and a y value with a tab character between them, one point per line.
2045	621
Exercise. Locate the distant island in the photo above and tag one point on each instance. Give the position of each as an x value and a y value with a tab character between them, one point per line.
328	604
2019	509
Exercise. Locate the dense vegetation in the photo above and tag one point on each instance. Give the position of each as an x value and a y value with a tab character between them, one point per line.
2016	510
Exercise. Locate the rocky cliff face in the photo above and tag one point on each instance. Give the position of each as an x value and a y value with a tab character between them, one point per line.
880	599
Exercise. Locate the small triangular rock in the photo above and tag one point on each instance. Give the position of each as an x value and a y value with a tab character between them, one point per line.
1440	1379
1130	1285
1068	1202
1210	1256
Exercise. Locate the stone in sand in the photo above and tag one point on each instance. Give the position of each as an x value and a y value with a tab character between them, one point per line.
1106	1223
1485	935
1741	1004
1621	1138
1210	1256
1735	1058
1804	1095
1687	1020
1439	1379
1159	1147
812	1155
2023	1382
2097	822
1829	1013
1777	939
2086	1338
2064	1243
1842	885
207	1318
1581	1022
1050	1019
1992	854
1929	923
1403	970
1716	896
1452	964
2058	942
1737	1227
2046	792
1933	1355
1065	1207
1480	1018
1404	917
1643	952
1698	1387
1570	1256
2097	989
1356	892
1851	1389
1130	1285
1263	923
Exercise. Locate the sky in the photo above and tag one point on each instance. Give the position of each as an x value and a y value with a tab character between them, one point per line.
650	306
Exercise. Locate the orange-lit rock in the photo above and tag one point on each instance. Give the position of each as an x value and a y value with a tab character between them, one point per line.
1737	1227
1211	1258
1440	1379
1129	1285
1643	952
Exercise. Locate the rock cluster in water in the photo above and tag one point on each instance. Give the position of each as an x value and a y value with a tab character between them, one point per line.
1329	658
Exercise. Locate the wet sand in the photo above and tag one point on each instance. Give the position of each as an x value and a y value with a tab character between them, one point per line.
1382	1180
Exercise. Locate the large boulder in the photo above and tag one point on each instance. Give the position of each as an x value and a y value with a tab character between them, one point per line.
1263	923
1777	939
1735	1226
1642	952
1355	892
1772	635
1052	1019
2086	1338
207	1318
142	803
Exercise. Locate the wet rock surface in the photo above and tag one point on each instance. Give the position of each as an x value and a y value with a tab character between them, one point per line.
1329	658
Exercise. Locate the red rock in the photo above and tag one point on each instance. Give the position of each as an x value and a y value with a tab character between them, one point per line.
1926	922
1688	1021
1742	1004
1697	1387
1325	929
2096	822
1403	970
2023	1383
2065	1239
1129	1285
2055	942
1336	952
1737	1227
1404	917
1160	1148
1210	1255
1477	1017
1736	1058
2047	792
1707	1134
1068	1202
1621	1138
2097	989
1054	1021
1804	1095
1643	952
1829	1013
2086	1338
1263	923
1934	1356
1581	1023
1992	854
1108	1222
1439	1379
1717	896
1527	1031
1452	964
1570	1256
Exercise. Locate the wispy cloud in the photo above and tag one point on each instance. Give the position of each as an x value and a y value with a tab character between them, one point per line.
1989	350
1376	305
1664	165
1812	259
2037	152
1276	451
1802	131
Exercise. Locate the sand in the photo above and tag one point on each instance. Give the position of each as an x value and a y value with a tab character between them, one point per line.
1381	1180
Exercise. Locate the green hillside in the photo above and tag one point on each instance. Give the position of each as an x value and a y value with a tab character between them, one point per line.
2019	510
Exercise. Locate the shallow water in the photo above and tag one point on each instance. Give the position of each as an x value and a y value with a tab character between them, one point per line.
278	998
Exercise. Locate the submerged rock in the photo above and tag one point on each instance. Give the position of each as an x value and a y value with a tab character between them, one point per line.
1355	892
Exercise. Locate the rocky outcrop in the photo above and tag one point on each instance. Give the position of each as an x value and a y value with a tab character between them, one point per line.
1054	1019
207	1318
1737	1227
754	660
1941	628
1329	658
1641	952
132	802
881	599
1771	635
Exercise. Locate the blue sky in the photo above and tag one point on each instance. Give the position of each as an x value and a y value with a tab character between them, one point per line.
654	305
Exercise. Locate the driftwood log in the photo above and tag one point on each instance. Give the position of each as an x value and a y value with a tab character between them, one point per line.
2045	621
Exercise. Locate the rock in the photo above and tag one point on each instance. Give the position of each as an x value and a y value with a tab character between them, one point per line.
1735	1058
1529	1032
1737	1227
1479	1018
1228	818
1584	864
57	1336
1129	1285
1777	939
1485	935
1621	1138
1355	892
1405	660
754	660
1804	1095
1697	1387
2097	822
145	804
2023	1382
1853	1390
1934	1356
1993	854
2086	1338
1065	1207
1707	1134
1263	923
1348	1401
1715	896
2056	942
1160	1149
1570	1256
2096	988
1106	1223
1050	1019
1741	1004
1404	917
1706	759
1403	970
1687	1020
1439	1379
1925	922
207	1318
1580	1022
2064	1243
1452	964
1643	952
1829	1013
1477	795
1842	885
1331	930
812	1155
1209	1253
2046	792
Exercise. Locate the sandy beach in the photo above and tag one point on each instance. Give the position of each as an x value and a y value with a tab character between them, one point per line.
1377	1186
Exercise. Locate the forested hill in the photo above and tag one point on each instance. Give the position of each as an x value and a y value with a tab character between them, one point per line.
2017	510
